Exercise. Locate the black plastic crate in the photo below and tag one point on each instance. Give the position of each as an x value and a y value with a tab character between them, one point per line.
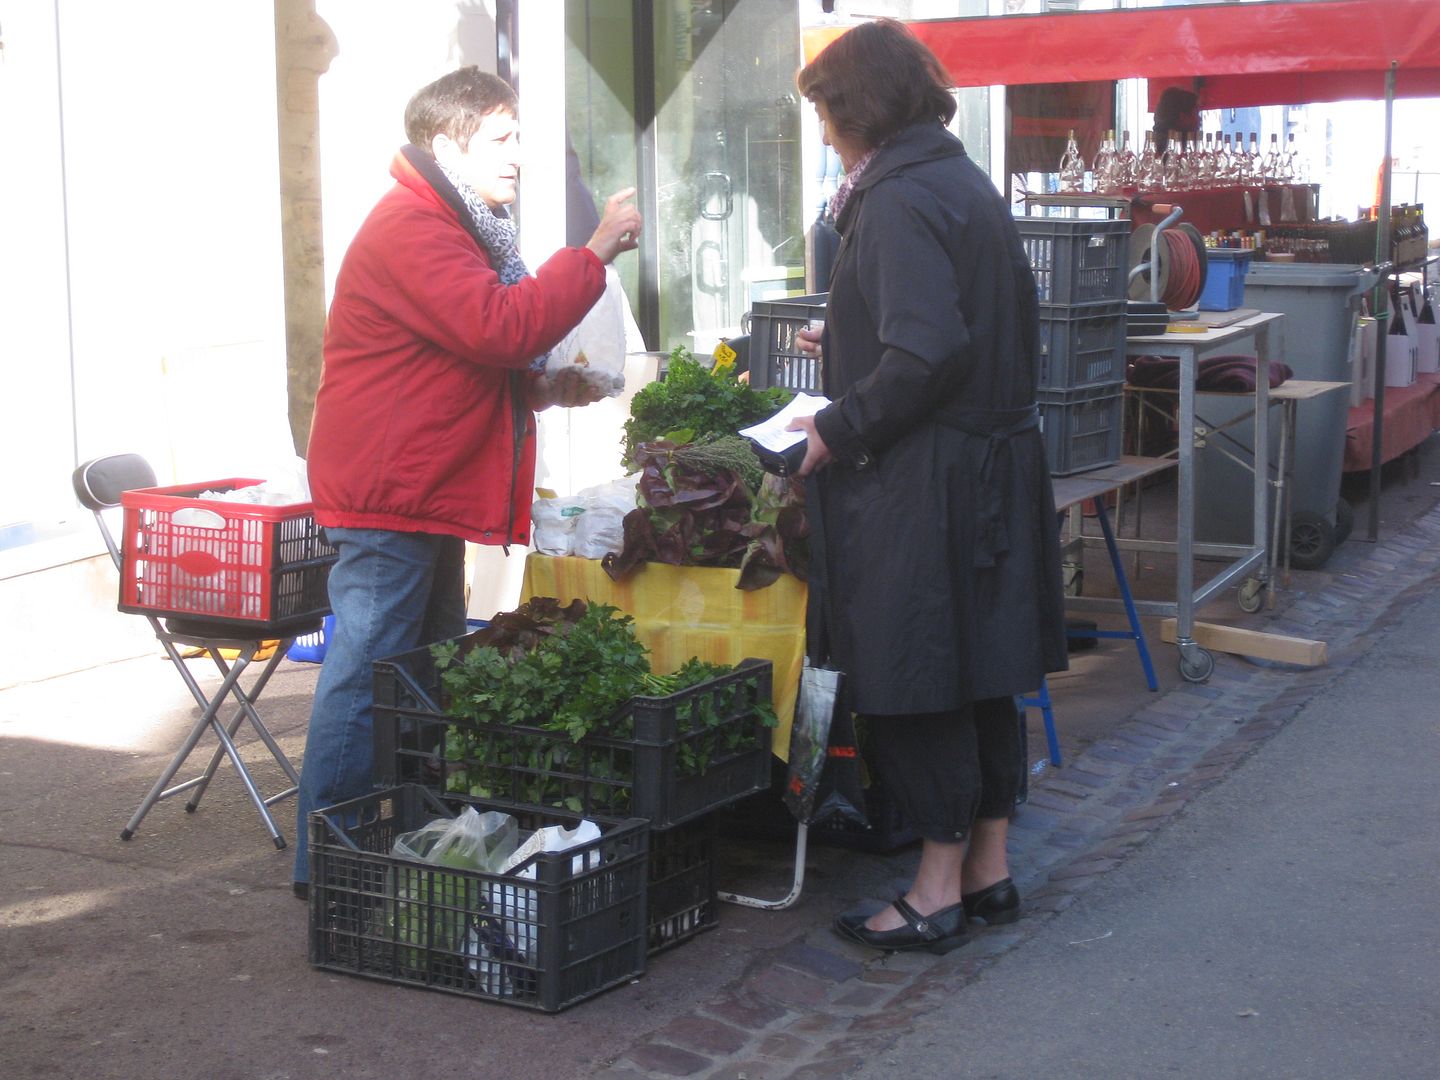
1082	427
577	929
1082	346
1077	260
775	356
683	893
641	774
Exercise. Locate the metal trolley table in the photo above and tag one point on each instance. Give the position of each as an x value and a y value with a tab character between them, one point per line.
1263	334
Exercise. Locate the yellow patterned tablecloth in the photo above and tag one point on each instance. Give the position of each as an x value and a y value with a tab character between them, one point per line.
685	611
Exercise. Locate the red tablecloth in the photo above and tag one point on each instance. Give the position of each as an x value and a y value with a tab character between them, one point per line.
1411	414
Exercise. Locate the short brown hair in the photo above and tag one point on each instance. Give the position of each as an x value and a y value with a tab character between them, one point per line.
455	104
876	79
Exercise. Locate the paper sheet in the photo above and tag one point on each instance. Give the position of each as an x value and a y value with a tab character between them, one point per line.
771	433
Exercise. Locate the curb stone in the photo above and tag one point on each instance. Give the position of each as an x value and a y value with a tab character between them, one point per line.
803	1011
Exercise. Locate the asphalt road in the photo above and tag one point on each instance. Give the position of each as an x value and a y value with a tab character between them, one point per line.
1286	924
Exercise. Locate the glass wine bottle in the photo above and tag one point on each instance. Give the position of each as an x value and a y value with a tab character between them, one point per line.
1170	162
1072	167
1147	168
1270	166
1125	163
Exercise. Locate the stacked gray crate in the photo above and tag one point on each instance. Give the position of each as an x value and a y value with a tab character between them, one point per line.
1080	267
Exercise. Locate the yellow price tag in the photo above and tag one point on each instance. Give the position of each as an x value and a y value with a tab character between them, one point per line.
724	358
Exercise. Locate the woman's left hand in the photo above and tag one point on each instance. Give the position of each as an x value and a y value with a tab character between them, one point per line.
817	454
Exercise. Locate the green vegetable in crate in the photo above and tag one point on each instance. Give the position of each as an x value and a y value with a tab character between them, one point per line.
571	671
691	403
572	679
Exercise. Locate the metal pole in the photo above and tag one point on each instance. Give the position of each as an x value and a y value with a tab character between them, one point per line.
1382	297
647	171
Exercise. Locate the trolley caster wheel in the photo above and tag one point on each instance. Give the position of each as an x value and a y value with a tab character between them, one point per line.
1344	520
1198	666
1252	595
1074	581
1312	541
126	834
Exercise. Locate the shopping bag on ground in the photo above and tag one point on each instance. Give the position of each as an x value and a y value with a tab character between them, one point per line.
823	780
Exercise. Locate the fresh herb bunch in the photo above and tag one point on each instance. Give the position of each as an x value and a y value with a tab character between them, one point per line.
692	402
571	680
711	453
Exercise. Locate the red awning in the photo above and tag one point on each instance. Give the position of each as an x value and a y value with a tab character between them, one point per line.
1237	54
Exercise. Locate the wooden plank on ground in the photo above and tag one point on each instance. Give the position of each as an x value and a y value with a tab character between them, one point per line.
1232	639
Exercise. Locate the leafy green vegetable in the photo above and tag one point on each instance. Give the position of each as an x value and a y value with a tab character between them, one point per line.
701	513
572	670
691	403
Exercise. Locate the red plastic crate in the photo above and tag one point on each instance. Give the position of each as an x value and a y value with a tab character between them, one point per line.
224	562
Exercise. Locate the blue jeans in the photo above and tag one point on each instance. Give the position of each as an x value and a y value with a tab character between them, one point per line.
390	592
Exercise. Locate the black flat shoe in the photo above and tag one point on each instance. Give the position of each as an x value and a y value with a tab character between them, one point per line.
994	905
937	933
301	889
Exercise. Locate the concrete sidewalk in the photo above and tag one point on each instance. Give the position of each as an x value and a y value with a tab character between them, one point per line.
182	953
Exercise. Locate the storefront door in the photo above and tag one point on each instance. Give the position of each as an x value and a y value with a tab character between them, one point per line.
707	89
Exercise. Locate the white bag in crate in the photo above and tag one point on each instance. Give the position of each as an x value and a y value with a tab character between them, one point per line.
506	937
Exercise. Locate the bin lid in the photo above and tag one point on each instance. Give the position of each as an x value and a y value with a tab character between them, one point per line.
1304	275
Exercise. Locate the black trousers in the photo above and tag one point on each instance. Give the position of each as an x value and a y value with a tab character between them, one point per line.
946	769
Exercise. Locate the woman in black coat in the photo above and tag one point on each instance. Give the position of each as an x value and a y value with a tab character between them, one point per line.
939	568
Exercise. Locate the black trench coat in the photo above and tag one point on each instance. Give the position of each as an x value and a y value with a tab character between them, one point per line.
938	579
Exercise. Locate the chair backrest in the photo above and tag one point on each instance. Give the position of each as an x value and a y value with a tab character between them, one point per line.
99	482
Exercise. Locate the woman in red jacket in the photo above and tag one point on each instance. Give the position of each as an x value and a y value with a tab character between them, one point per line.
424	428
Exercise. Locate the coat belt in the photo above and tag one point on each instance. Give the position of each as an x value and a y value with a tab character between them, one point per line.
996	427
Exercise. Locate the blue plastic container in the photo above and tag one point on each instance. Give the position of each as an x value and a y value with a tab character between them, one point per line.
310	648
1224	279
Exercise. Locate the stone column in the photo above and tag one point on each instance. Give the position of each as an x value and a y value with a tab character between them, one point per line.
304	47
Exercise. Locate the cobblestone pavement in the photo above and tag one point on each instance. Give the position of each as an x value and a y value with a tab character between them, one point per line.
818	1007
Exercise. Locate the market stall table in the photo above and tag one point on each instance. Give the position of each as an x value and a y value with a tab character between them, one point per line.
1411	414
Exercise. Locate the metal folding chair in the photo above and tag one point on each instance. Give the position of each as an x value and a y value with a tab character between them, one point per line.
98	485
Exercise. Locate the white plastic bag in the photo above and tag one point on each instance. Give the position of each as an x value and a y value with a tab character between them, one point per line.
554	521
601	528
499	945
431	909
469	841
597	344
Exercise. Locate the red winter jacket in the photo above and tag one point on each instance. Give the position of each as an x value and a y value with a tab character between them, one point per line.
416	426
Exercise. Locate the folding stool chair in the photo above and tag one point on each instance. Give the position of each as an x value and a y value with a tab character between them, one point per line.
98	485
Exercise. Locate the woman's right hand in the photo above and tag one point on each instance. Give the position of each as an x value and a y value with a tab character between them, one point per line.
619	229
